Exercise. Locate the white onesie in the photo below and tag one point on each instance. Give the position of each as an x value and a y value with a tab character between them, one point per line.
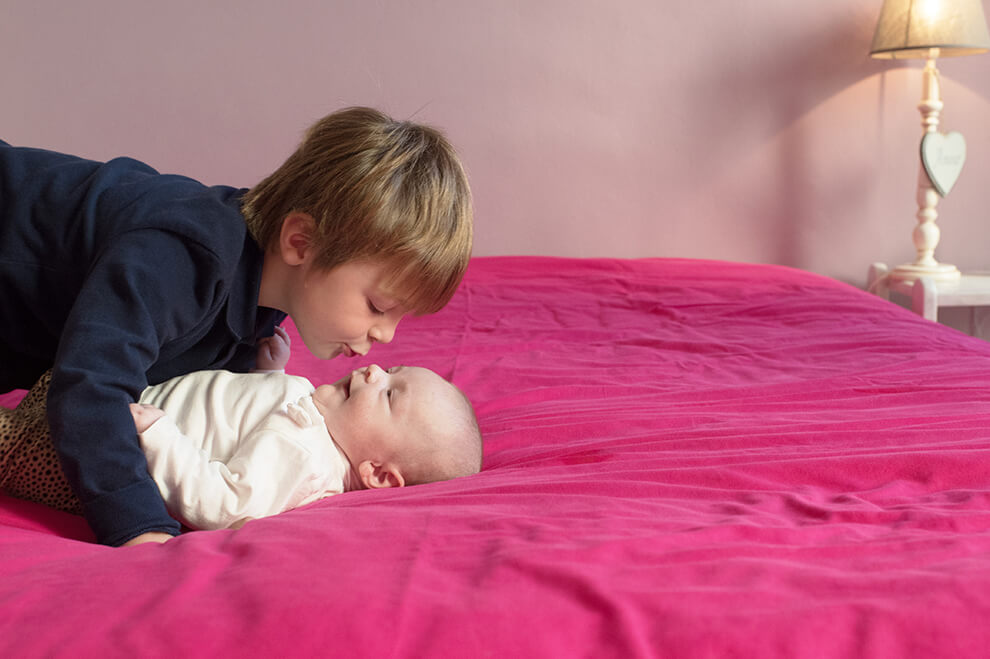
238	446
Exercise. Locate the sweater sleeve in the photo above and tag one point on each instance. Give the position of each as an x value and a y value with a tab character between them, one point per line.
149	288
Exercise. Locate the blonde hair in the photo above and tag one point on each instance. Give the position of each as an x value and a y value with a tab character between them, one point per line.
377	189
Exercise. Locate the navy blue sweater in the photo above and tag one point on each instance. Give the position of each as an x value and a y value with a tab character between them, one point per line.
118	277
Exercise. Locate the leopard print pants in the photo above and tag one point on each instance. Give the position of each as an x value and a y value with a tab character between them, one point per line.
29	466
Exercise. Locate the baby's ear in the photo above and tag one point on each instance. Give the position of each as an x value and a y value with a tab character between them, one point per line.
375	475
296	237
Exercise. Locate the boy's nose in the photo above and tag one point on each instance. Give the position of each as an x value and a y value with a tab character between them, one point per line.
383	331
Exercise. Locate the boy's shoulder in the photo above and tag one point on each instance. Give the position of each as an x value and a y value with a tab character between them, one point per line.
108	199
140	197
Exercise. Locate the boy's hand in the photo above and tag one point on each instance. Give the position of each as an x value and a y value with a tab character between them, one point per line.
144	415
274	351
150	536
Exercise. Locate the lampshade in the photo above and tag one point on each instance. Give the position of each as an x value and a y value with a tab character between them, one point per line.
911	28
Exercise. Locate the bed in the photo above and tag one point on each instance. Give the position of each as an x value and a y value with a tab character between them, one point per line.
683	458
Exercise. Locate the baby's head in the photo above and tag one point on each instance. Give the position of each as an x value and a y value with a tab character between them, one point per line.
403	426
375	189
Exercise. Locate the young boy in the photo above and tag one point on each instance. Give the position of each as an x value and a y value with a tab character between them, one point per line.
226	447
117	277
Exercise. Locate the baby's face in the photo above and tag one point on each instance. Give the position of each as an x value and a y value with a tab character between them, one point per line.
373	412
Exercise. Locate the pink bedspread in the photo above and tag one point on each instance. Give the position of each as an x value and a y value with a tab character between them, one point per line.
684	458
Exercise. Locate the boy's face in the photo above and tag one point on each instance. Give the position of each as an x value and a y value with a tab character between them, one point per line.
343	311
373	413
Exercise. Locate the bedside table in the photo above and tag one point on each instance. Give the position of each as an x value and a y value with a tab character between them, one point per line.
972	289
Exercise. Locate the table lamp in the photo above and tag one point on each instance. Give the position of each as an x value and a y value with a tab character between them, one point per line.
928	29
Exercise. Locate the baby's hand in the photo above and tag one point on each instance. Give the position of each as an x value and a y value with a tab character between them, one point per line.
145	415
274	351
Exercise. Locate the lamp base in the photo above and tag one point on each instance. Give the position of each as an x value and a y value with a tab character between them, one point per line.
938	272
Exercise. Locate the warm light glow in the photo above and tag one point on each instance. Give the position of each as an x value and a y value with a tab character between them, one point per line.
925	28
930	10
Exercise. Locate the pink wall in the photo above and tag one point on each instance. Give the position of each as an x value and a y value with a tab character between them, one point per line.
756	131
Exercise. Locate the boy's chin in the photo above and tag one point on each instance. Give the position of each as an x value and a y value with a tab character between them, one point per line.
325	351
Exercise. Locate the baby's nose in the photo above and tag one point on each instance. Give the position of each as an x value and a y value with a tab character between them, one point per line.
373	373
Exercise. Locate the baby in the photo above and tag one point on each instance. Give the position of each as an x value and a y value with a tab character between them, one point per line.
226	447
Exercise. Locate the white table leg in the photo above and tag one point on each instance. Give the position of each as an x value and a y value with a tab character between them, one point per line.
924	298
876	280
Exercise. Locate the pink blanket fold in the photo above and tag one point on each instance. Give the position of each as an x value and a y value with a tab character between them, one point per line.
683	458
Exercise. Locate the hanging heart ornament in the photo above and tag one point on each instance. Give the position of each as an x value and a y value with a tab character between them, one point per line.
942	156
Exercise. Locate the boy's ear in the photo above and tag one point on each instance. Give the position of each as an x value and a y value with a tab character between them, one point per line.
296	238
375	475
